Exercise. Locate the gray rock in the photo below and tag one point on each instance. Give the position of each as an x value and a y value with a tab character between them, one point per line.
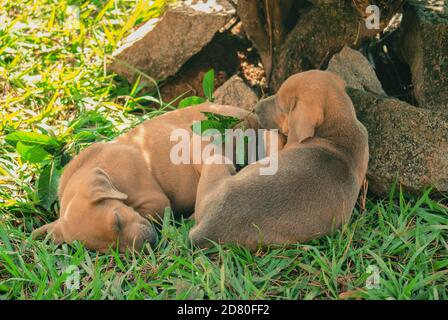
356	71
235	92
322	31
424	46
161	46
407	144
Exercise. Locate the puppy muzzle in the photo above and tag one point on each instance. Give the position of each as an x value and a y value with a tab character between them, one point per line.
149	235
266	111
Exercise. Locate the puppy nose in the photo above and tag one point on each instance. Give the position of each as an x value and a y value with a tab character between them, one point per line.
149	234
152	238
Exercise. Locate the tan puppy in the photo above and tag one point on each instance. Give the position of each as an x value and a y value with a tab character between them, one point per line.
107	192
320	171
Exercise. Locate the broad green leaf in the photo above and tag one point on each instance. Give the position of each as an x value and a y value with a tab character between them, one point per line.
94	121
31	138
207	124
208	84
190	101
84	136
214	121
226	121
32	153
47	186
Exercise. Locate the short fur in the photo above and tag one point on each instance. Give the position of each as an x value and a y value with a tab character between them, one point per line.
110	190
321	170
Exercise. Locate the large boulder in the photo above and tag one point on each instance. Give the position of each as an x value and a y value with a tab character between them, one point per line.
407	144
235	92
161	46
321	32
356	71
424	46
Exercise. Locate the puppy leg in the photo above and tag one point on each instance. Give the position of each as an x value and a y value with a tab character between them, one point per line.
153	206
200	235
211	175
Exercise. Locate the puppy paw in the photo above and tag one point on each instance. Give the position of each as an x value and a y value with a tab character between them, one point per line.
199	238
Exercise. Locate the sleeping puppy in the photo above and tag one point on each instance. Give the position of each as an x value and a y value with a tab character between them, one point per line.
320	171
110	190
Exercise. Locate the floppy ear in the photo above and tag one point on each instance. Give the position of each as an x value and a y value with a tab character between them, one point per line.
102	188
302	121
52	228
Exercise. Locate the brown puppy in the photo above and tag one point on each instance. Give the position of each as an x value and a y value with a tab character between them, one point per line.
109	189
320	171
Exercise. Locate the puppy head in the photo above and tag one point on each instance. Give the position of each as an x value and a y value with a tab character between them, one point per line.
97	216
300	105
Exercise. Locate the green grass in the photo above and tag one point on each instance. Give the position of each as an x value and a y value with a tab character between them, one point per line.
53	82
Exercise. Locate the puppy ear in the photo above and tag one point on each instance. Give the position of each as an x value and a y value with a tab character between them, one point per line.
303	120
101	187
52	228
